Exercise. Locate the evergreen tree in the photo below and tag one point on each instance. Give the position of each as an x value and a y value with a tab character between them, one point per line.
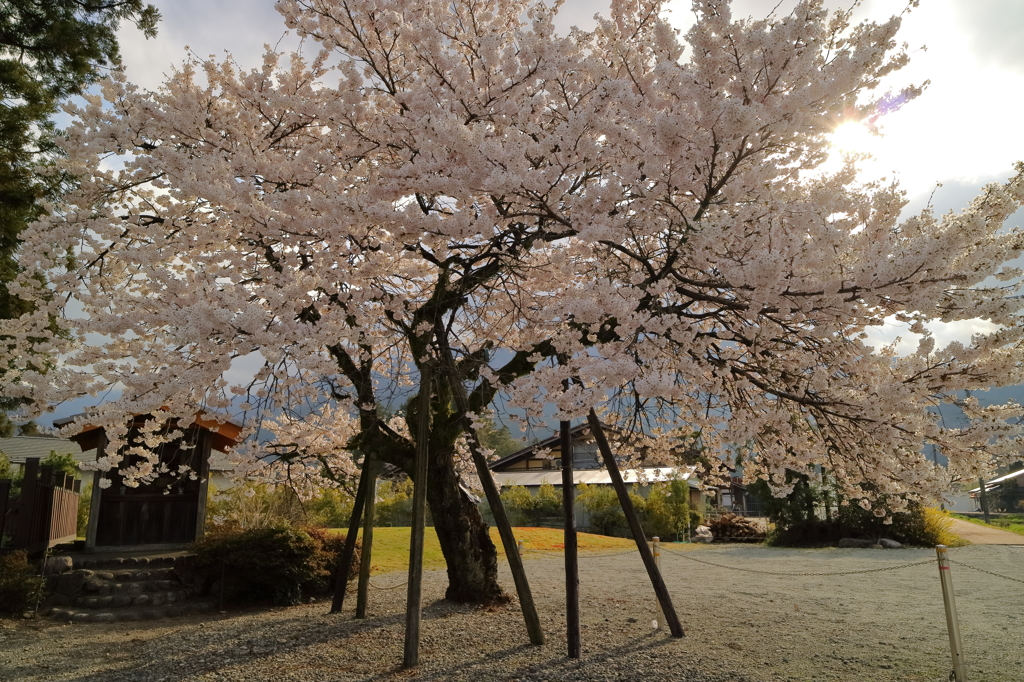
49	50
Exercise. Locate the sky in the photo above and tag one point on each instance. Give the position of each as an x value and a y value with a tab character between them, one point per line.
962	133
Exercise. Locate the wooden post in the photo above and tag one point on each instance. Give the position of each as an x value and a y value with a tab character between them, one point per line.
572	567
96	496
203	444
984	499
634	525
419	517
27	504
956	647
345	560
362	596
5	499
508	540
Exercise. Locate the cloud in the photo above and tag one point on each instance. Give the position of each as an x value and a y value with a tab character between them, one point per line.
241	28
993	28
955	195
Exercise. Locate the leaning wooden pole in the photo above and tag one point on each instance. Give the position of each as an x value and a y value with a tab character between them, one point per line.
362	593
508	539
634	525
419	517
345	561
572	566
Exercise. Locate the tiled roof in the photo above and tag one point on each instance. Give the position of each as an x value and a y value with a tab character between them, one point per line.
20	448
596	476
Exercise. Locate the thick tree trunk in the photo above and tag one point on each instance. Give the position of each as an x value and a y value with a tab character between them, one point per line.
468	550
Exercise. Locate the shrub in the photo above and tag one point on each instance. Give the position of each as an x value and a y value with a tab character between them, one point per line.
20	584
62	463
546	504
6	470
602	504
793	510
919	525
279	564
331	546
524	509
332	508
9	471
393	505
1008	498
517	502
84	506
249	505
606	515
667	510
938	529
806	533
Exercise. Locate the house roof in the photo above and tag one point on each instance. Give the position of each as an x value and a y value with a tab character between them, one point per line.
551	442
20	448
595	476
223	433
996	481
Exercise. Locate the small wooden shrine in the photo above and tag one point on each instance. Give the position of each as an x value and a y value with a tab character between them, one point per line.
166	513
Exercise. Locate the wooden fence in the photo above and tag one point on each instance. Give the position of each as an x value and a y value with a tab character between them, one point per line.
46	512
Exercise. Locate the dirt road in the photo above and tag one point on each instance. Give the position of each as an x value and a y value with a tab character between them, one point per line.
982	535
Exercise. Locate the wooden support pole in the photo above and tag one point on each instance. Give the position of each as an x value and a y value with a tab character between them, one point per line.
983	497
345	560
508	539
572	566
419	517
634	526
362	593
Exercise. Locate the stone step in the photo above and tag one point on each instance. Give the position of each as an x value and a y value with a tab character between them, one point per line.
90	584
116	563
117	601
134	613
130	575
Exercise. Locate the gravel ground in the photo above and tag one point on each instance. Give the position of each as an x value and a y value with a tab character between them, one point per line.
882	626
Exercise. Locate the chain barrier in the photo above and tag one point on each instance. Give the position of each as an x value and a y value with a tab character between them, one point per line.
392	587
1005	577
751	570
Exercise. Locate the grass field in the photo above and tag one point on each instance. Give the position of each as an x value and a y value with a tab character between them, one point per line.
391	546
1011	522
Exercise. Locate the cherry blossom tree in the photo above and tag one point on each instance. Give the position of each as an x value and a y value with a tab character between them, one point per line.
627	218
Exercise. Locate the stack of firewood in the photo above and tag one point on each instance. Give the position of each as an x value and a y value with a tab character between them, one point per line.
733	527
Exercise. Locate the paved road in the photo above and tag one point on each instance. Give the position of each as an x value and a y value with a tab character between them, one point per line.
983	535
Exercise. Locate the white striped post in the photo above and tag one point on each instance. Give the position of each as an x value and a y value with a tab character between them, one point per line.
952	625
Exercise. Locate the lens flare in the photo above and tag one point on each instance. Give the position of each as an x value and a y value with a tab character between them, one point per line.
853	137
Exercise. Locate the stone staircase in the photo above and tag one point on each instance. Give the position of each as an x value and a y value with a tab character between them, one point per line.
113	589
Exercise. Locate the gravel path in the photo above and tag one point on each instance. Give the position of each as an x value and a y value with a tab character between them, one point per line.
879	626
983	535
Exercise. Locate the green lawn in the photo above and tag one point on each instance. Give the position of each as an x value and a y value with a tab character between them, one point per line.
391	546
1011	522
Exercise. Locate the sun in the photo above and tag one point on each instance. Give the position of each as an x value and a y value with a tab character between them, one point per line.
853	137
